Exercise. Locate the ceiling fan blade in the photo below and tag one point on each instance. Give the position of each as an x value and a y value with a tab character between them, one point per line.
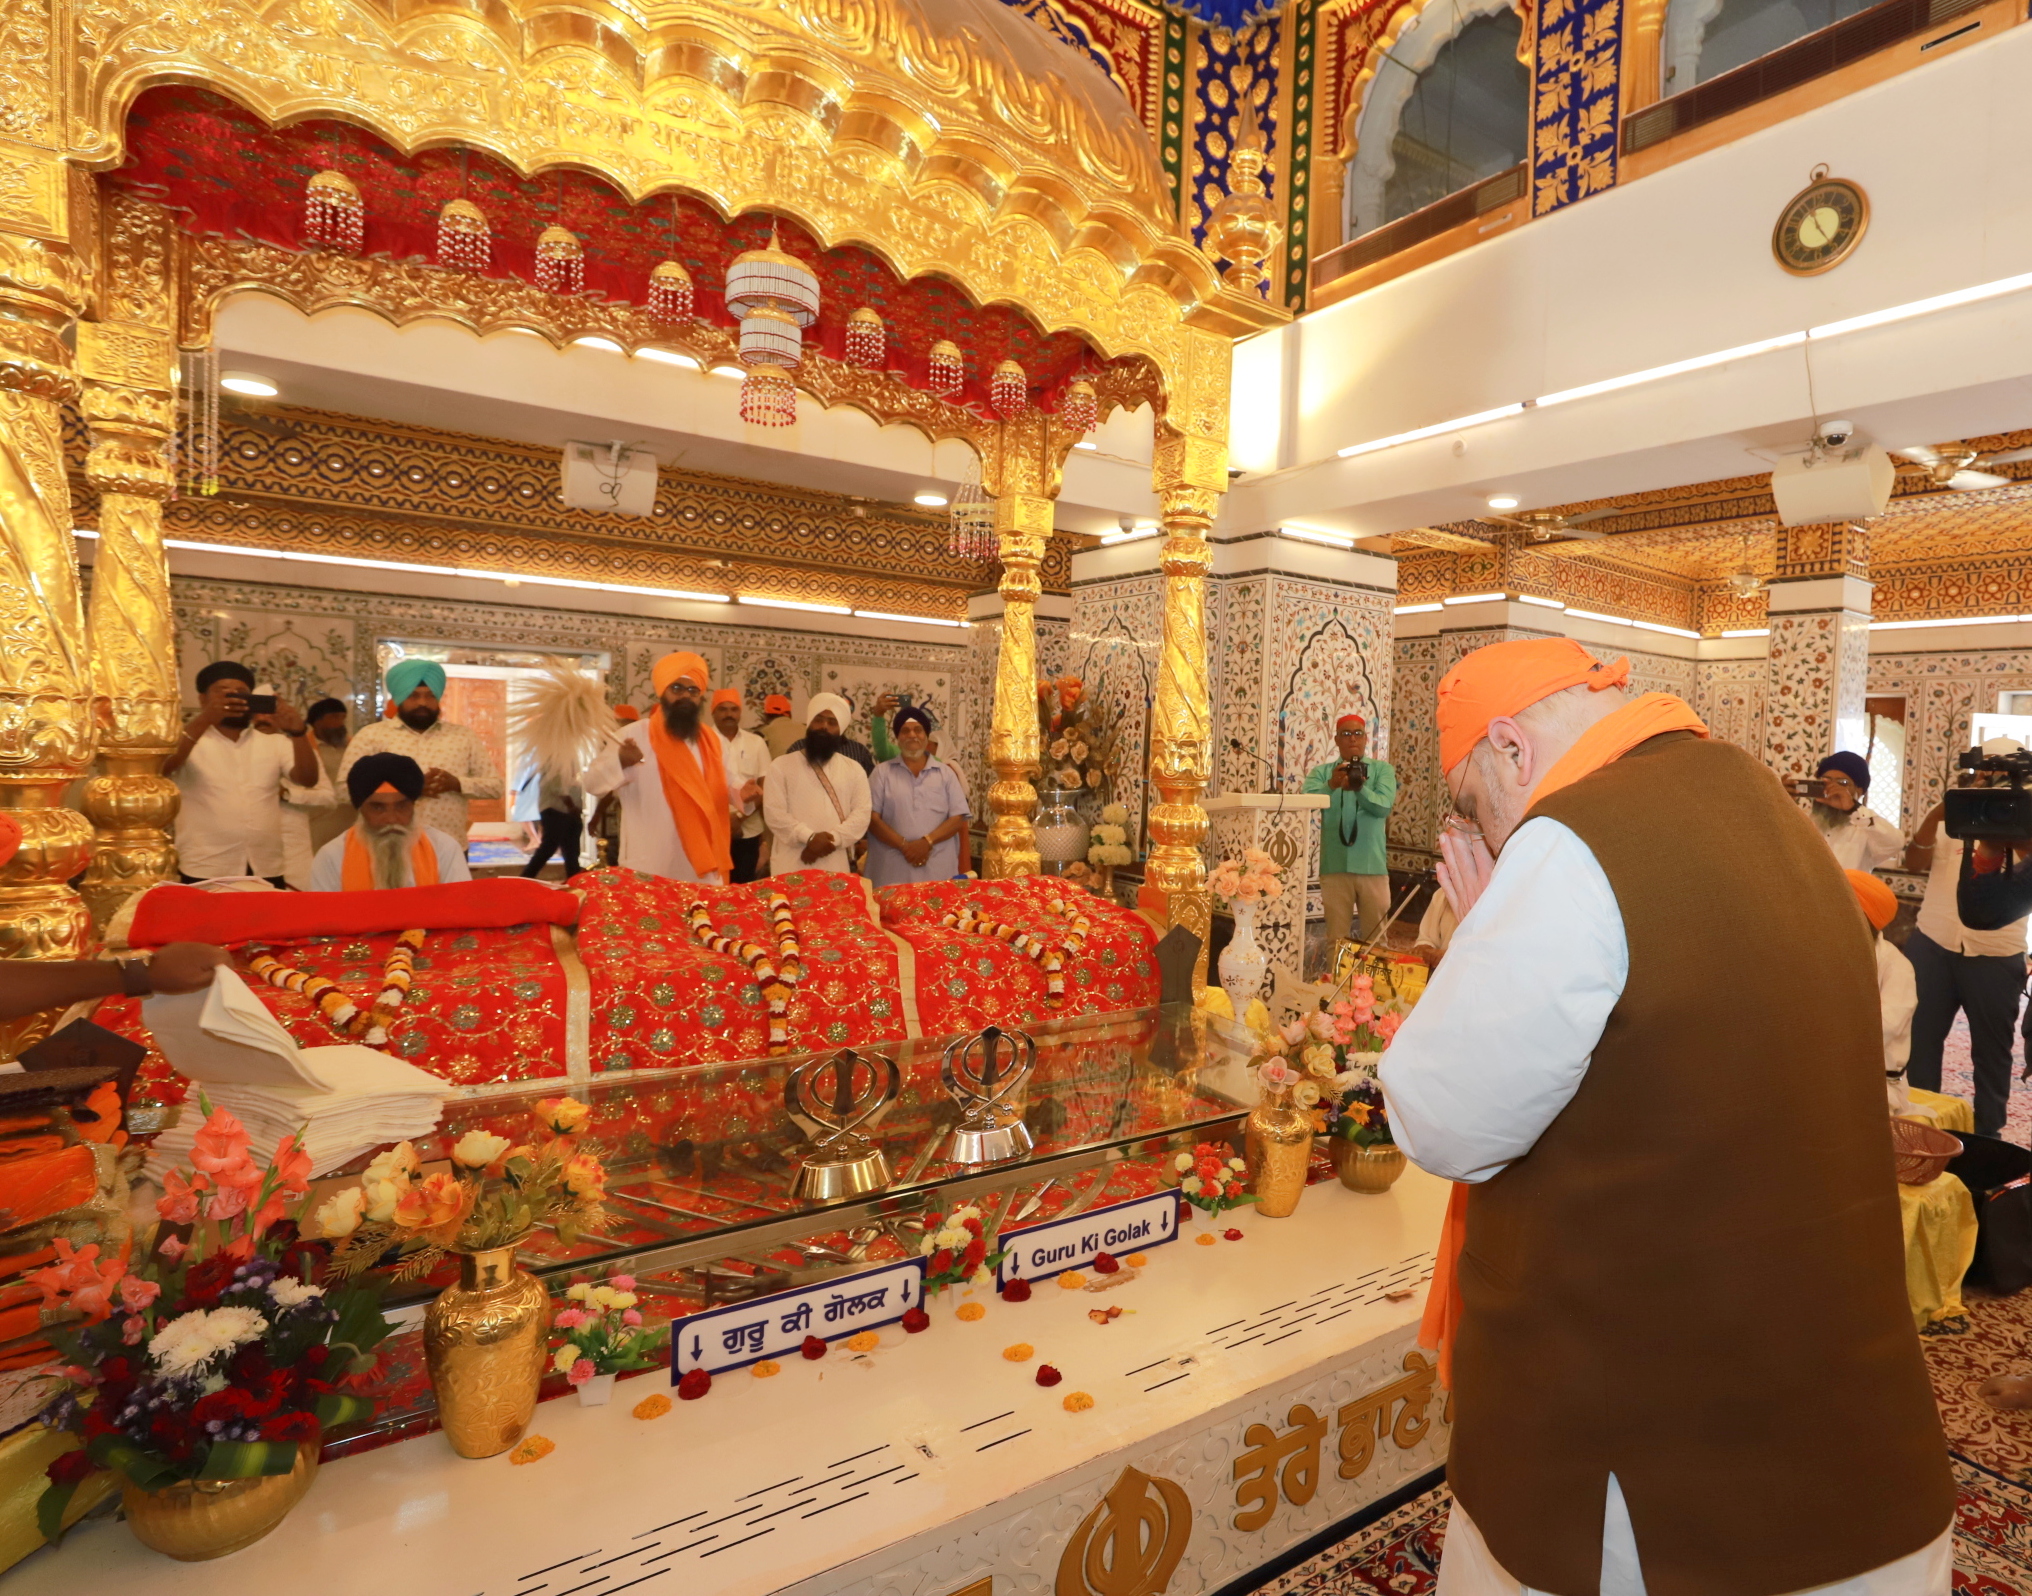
1592	515
1573	529
2007	457
1919	454
1968	481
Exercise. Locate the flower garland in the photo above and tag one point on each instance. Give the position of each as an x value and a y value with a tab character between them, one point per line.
344	1015
971	919
777	977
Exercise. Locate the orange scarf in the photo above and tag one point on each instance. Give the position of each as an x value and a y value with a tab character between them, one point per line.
696	790
1642	718
358	867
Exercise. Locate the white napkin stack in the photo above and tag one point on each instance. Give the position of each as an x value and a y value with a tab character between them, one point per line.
346	1100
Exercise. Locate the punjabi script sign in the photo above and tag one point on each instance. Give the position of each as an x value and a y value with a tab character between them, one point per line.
775	1326
1289	1462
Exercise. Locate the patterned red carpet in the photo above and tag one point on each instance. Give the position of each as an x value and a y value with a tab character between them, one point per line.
1399	1553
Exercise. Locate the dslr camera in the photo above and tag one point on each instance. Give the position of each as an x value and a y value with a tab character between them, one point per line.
2001	812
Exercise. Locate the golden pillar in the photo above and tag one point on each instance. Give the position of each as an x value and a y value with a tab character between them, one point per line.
46	710
128	360
1191	472
1023	473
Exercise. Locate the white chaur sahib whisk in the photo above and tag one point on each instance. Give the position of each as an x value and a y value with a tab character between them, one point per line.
563	718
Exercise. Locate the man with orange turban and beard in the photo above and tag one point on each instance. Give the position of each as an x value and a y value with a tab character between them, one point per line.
1670	1296
673	786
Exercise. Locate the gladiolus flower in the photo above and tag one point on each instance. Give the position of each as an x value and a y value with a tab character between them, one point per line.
172	1248
79	1279
221	1142
292	1166
179	1201
132	1330
136	1293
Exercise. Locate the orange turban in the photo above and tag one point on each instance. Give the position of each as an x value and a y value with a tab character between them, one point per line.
1880	903
627	712
1505	678
672	667
726	695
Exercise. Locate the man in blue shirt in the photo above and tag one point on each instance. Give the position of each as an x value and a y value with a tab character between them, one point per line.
1354	865
917	827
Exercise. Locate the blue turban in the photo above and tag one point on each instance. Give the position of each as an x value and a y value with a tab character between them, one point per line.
905	715
1853	766
405	676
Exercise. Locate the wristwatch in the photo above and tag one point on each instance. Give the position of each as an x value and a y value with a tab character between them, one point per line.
134	981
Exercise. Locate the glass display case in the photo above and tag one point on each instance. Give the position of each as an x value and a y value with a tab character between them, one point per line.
703	1164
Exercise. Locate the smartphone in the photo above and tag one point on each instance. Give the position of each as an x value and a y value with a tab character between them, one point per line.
261	703
906	700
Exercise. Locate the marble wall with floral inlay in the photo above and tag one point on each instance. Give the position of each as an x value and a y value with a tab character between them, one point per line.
1813	703
1112	644
1729	695
1941	691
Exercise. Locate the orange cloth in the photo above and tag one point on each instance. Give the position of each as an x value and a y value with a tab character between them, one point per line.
356	872
1642	718
1880	903
696	790
672	666
627	712
1505	678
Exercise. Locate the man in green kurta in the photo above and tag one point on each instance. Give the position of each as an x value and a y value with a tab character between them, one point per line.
1354	867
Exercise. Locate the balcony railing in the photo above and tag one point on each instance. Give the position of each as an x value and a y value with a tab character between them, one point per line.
1463	205
1799	62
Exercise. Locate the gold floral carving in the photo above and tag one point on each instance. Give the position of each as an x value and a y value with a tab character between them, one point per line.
27	72
888	123
1023	472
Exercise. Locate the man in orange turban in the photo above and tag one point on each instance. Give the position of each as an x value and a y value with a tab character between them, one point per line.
675	819
1670	1298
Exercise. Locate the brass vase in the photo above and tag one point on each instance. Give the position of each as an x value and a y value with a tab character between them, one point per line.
485	1341
199	1519
1277	1146
1366	1169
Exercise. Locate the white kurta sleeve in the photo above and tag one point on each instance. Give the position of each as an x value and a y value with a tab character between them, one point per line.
855	794
451	858
1898	999
607	774
1883	844
327	868
777	814
1499	1043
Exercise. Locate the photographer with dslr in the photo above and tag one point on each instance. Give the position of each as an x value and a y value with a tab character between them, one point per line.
1966	957
1861	838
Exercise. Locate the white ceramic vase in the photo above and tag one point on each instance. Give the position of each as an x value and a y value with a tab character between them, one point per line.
597	1391
1243	961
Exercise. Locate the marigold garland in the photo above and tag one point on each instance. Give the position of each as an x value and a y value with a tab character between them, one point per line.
778	976
341	1012
1051	959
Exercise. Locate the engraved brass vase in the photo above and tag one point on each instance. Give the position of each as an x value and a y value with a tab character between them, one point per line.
199	1519
484	1341
1277	1147
1366	1169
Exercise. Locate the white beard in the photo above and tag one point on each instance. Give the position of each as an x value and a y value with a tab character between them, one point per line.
389	848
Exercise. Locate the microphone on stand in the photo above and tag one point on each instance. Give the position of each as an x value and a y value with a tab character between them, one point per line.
1235	746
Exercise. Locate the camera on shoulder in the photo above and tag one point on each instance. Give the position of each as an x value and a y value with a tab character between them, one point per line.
1994	813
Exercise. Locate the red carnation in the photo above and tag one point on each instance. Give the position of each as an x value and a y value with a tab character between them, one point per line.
973	1226
813	1347
1017	1290
977	1249
693	1384
1047	1375
941	1260
916	1319
1106	1263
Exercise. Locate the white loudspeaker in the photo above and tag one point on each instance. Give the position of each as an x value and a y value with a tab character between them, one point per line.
609	476
1837	485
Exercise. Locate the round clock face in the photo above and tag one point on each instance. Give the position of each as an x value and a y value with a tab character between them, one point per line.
1816	231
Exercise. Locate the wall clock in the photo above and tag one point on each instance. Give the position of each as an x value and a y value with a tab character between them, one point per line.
1820	225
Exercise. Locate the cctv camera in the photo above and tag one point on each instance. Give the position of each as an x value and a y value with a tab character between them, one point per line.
1834	434
1126	522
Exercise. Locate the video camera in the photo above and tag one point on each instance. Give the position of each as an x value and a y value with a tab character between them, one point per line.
1992	813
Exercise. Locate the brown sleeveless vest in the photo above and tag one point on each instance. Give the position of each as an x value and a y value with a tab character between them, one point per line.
1695	1279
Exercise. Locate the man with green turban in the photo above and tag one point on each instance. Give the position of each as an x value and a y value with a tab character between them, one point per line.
456	765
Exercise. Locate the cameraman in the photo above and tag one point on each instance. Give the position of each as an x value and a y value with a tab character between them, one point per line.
1966	957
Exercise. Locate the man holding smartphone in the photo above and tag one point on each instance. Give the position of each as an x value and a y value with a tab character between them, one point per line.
234	779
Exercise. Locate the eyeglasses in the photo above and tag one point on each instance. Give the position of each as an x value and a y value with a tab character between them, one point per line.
685	689
1459	824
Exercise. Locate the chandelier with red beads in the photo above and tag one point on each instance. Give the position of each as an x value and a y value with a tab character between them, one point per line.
776	297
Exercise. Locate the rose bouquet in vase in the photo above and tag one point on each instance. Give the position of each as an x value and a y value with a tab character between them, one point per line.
1247	884
1338	1049
957	1250
205	1375
483	1339
603	1336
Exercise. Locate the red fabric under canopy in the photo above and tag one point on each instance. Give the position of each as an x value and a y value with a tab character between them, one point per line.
190	914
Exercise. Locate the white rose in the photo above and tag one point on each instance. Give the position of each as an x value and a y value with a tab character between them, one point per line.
1305	1094
341	1213
1321	1024
381	1196
477	1149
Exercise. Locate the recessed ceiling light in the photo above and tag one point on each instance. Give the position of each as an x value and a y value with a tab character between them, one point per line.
250	384
1086	443
1502	501
931	501
729	371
